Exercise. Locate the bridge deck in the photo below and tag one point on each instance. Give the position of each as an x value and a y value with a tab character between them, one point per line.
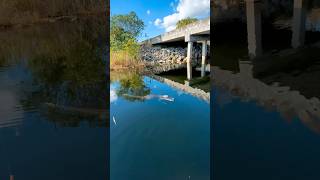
201	27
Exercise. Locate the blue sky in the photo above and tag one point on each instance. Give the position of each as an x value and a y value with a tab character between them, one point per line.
166	11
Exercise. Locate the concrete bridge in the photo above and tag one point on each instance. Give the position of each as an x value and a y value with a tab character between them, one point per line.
254	29
198	32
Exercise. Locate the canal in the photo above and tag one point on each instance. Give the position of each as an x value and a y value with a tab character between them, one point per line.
157	131
53	101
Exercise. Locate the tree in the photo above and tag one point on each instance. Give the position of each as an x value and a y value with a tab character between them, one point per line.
125	29
184	22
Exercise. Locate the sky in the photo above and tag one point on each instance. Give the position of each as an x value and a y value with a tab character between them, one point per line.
160	16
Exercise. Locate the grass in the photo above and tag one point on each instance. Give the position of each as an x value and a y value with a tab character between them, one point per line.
27	12
122	60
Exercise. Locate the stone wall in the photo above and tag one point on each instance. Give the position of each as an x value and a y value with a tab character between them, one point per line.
160	59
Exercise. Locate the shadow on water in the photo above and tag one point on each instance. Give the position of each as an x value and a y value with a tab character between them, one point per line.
266	114
54	101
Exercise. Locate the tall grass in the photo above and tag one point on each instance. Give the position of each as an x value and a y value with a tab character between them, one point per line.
123	59
29	11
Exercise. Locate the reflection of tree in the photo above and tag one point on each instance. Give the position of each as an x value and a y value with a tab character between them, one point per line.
73	75
2	61
132	86
68	66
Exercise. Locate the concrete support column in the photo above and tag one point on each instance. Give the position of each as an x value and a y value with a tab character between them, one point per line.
189	60
253	8
203	60
298	23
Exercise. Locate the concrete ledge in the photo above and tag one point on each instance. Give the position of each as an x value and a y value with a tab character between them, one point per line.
199	27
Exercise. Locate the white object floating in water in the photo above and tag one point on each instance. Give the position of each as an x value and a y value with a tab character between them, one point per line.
114	120
167	98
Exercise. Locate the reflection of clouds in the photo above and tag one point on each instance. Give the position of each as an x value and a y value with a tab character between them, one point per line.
113	94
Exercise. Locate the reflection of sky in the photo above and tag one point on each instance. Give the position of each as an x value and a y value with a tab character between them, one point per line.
113	94
149	134
10	109
247	132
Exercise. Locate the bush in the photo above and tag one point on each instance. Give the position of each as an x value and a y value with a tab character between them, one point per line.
184	22
124	31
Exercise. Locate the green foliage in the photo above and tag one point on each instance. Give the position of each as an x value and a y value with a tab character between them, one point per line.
129	23
132	47
132	86
184	22
124	31
118	38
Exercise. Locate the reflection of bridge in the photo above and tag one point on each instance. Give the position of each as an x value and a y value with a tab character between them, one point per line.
185	88
254	7
198	32
290	103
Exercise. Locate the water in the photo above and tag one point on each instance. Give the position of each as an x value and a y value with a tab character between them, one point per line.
53	102
266	121
154	138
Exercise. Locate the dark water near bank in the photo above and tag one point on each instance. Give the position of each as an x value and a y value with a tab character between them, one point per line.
156	138
266	111
54	101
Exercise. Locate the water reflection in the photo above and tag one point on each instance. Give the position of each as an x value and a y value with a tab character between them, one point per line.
54	101
131	86
151	134
266	105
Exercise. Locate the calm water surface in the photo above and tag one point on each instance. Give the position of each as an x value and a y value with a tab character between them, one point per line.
53	102
154	138
266	120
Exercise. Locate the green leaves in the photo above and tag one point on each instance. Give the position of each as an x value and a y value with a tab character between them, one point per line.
184	22
129	23
125	29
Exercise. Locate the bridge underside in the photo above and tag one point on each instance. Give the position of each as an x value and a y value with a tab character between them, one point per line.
198	32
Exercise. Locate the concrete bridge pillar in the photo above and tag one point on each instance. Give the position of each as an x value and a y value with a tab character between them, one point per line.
203	60
253	8
298	23
189	60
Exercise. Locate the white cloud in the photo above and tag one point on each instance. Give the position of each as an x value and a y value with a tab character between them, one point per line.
148	12
184	9
157	22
